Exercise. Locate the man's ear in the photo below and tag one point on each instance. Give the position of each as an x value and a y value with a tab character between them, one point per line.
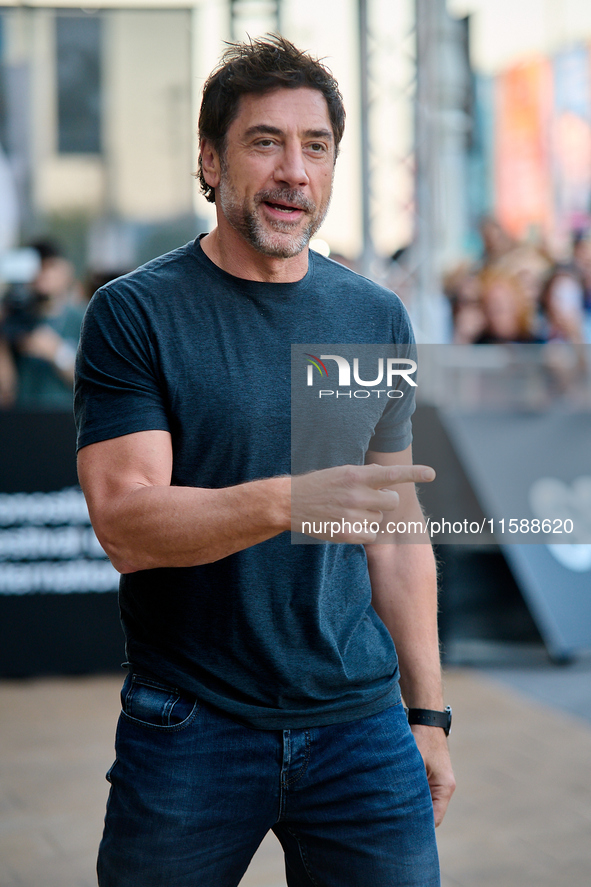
210	163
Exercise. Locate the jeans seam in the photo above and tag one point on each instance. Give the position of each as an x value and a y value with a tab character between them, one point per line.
164	728
283	782
304	857
302	771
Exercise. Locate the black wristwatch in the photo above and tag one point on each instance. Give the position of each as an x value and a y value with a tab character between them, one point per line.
429	718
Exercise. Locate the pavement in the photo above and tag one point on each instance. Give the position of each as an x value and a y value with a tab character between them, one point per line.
521	815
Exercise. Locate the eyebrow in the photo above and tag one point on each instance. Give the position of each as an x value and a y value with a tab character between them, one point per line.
266	129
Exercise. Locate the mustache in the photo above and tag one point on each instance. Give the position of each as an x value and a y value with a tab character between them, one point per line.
290	196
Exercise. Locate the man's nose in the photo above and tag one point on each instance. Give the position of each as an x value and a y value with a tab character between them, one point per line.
291	167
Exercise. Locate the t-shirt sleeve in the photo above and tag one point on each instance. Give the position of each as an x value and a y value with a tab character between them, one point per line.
393	433
117	389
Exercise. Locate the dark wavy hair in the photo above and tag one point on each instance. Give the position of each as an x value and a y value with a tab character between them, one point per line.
258	67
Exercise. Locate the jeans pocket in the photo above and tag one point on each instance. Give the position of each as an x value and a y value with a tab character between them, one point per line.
156	705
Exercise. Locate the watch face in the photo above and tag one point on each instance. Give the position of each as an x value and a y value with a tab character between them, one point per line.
448	713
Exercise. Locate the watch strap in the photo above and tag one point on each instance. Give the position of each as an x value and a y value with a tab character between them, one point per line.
429	718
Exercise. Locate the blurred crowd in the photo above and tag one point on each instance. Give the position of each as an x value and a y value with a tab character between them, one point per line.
41	312
517	292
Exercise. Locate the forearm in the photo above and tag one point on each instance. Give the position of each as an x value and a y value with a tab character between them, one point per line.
404	594
167	526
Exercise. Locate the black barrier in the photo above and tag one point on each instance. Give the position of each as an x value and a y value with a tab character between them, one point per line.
508	459
58	597
480	599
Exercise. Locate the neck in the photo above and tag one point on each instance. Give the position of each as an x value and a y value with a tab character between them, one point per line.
233	254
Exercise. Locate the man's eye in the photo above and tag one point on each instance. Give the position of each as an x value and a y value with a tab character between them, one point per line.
317	147
265	143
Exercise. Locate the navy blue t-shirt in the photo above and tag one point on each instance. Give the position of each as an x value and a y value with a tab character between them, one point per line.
278	635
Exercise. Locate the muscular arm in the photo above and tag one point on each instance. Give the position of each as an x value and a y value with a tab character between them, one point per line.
404	594
143	522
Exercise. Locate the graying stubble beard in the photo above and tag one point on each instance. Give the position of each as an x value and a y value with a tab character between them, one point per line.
247	223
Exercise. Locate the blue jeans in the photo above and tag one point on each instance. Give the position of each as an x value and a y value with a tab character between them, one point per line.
193	794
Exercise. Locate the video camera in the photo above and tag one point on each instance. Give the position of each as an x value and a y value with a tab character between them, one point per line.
20	304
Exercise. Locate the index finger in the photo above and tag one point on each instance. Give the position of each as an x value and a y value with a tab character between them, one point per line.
379	476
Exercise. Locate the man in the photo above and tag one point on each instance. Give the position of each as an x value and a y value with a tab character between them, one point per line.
263	688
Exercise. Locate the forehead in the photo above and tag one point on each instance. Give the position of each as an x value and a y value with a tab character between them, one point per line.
300	110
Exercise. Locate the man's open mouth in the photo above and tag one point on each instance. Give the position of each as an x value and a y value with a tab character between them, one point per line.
283	207
286	202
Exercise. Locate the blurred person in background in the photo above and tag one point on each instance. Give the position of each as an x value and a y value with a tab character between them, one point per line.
563	314
8	379
562	302
42	326
527	263
582	263
497	298
462	287
496	242
530	266
506	308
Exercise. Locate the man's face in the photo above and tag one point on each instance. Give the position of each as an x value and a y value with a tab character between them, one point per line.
277	168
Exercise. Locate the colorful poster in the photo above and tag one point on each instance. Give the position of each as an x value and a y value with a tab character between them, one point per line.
572	138
524	199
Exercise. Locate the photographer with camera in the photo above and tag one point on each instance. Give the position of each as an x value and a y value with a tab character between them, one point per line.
40	327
